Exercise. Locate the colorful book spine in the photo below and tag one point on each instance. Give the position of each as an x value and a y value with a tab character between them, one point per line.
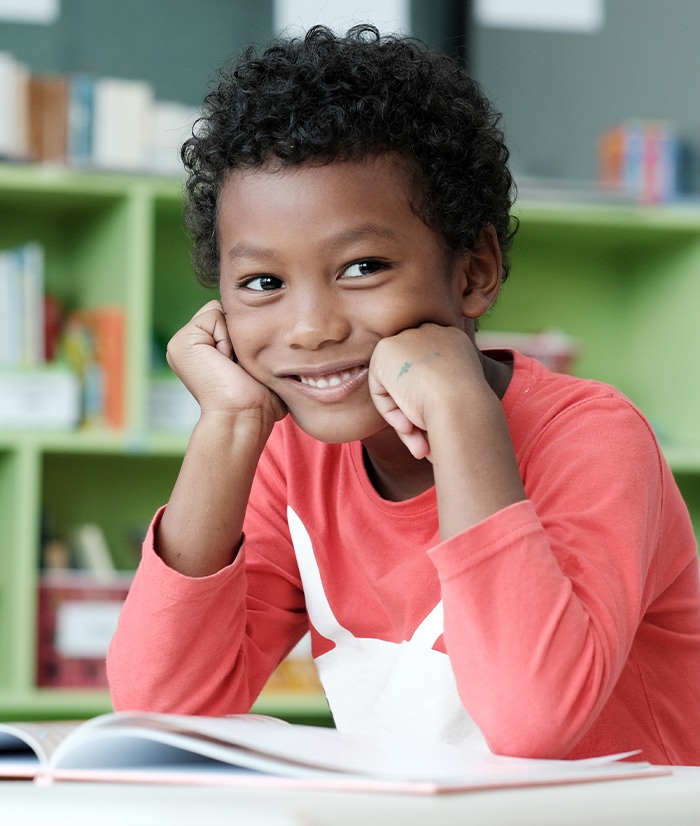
95	345
641	159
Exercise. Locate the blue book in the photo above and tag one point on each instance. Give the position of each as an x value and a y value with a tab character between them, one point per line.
81	105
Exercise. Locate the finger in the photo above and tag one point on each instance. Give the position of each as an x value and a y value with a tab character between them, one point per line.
417	443
413	437
211	320
398	420
215	304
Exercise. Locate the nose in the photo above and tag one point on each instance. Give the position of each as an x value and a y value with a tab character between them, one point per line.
316	317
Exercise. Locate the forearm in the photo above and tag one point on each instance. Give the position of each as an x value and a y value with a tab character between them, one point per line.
543	599
185	645
159	658
475	469
202	526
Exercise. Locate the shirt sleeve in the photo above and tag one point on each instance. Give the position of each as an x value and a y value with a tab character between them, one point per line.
207	645
543	599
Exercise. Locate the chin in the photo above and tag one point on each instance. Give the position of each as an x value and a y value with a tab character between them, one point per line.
339	429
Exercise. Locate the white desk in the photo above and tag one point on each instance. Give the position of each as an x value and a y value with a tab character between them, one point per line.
652	801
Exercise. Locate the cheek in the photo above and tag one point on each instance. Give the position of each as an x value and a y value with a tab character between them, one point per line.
243	339
416	308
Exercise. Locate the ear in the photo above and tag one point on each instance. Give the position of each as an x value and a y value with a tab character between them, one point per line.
481	274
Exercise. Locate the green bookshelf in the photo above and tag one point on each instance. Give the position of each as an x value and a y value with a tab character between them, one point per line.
108	239
624	281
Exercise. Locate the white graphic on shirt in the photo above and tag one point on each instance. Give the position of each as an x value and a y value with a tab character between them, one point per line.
375	685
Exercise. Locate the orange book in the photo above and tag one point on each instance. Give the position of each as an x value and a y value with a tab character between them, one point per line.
48	117
108	328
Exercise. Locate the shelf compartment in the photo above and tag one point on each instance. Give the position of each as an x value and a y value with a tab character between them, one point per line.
80	488
614	279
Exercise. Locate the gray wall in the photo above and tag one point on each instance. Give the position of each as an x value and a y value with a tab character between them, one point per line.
559	91
178	45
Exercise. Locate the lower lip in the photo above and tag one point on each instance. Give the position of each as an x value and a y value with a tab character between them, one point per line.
330	395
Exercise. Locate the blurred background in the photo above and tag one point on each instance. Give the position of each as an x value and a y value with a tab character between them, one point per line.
562	73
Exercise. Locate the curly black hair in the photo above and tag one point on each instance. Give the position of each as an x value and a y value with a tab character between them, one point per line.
324	97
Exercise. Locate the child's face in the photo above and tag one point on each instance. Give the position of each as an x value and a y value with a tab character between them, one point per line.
318	263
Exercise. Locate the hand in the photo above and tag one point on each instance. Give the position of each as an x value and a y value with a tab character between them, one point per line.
201	354
419	370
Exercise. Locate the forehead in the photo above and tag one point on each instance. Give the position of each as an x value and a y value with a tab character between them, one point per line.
380	184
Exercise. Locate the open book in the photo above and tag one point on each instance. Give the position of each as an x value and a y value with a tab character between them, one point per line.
251	749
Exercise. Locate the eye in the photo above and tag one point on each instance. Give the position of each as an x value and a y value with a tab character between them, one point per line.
262	283
363	268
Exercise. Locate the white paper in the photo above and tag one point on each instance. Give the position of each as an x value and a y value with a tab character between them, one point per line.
546	15
295	16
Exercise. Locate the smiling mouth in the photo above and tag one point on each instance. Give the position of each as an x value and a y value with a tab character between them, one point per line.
330	379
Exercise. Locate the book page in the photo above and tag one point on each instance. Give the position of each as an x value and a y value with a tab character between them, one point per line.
265	745
24	747
250	749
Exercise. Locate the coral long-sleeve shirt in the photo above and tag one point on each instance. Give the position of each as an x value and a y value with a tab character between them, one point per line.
566	625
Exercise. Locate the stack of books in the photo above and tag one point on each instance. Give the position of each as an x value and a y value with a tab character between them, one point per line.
88	120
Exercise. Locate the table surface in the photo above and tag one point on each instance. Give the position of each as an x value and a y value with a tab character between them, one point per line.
644	801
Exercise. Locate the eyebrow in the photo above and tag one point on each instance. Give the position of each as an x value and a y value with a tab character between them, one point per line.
363	232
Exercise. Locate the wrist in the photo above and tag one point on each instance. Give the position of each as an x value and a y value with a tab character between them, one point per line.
245	427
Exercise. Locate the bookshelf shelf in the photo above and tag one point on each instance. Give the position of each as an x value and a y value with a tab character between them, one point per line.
624	281
98	441
79	704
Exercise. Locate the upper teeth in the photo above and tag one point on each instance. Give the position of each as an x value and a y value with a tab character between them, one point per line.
326	381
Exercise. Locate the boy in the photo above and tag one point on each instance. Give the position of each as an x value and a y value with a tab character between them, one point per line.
485	552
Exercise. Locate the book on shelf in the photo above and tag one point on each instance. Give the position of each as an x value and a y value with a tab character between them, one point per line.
48	117
94	344
121	128
14	94
22	306
45	358
91	552
88	120
79	119
172	125
257	750
642	158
